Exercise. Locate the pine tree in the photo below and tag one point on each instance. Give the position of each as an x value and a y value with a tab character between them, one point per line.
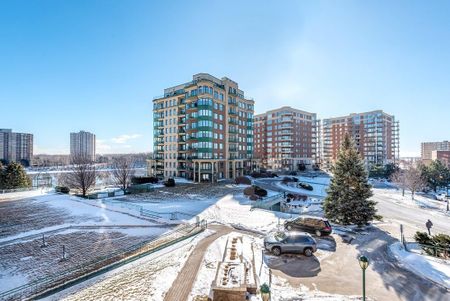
14	176
347	200
2	186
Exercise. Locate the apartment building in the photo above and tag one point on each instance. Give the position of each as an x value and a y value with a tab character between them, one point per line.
443	156
203	130
427	149
16	147
375	133
82	144
286	139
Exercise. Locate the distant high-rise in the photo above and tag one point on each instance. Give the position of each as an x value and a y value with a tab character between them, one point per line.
16	147
286	138
376	135
82	144
427	149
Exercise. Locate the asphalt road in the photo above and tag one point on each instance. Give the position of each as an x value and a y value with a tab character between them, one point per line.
386	279
413	217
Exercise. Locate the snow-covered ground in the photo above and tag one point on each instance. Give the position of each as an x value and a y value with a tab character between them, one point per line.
236	210
435	269
420	201
148	278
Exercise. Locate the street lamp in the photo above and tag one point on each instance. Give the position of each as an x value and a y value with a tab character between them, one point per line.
364	263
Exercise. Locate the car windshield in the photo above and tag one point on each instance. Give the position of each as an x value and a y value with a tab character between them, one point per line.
279	236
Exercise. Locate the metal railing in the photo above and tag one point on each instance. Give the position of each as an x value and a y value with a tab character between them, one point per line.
80	272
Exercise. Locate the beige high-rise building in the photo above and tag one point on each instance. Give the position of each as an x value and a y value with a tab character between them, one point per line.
203	130
82	144
427	149
376	135
286	139
16	147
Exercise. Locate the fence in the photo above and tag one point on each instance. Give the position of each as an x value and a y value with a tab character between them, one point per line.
268	202
174	215
48	285
2	191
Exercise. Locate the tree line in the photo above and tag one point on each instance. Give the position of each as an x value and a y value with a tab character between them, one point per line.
433	176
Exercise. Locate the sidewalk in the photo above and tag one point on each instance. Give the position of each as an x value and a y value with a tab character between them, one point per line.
182	286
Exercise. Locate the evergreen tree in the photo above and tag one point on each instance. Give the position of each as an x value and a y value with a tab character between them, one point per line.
1	175
436	174
14	176
347	201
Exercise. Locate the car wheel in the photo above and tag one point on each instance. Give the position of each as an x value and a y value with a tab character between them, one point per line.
318	233
289	227
276	251
308	252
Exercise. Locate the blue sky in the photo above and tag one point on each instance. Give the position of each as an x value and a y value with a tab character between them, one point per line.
96	65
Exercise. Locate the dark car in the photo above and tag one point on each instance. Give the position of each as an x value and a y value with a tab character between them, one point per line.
312	224
290	242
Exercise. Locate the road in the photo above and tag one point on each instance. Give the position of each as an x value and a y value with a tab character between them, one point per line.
412	216
386	279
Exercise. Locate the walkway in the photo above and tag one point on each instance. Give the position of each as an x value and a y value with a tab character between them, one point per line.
182	286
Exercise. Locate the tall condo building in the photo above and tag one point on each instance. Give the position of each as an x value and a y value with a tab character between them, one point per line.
286	138
82	144
427	149
375	133
203	130
16	147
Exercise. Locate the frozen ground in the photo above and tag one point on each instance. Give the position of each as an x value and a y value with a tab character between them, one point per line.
25	216
419	201
435	269
236	210
148	278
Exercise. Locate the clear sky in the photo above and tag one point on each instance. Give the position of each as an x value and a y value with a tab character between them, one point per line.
96	65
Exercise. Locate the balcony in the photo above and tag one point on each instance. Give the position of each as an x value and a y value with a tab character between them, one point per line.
232	139
232	112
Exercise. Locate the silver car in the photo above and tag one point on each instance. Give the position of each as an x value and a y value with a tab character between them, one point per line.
290	242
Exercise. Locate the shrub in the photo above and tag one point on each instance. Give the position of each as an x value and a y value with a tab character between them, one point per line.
437	245
249	191
144	180
264	289
170	182
243	180
254	197
260	191
62	189
305	186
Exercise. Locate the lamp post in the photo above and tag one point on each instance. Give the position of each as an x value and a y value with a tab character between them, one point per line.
364	263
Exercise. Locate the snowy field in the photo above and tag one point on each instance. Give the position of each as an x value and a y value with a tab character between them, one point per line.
435	269
87	231
148	278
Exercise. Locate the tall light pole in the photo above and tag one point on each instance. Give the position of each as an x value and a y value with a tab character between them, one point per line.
364	263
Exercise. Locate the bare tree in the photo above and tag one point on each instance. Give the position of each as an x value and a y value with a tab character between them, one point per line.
399	179
414	180
81	176
123	170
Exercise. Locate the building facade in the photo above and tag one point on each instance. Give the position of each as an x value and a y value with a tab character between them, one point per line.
441	155
427	149
286	139
16	147
376	135
203	130
82	144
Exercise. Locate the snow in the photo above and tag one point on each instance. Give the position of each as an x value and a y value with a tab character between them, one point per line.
419	201
237	211
319	184
148	278
434	269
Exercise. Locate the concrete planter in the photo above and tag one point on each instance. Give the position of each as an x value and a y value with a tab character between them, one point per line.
265	296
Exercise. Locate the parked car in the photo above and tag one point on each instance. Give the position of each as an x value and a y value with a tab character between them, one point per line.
442	197
317	225
290	242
